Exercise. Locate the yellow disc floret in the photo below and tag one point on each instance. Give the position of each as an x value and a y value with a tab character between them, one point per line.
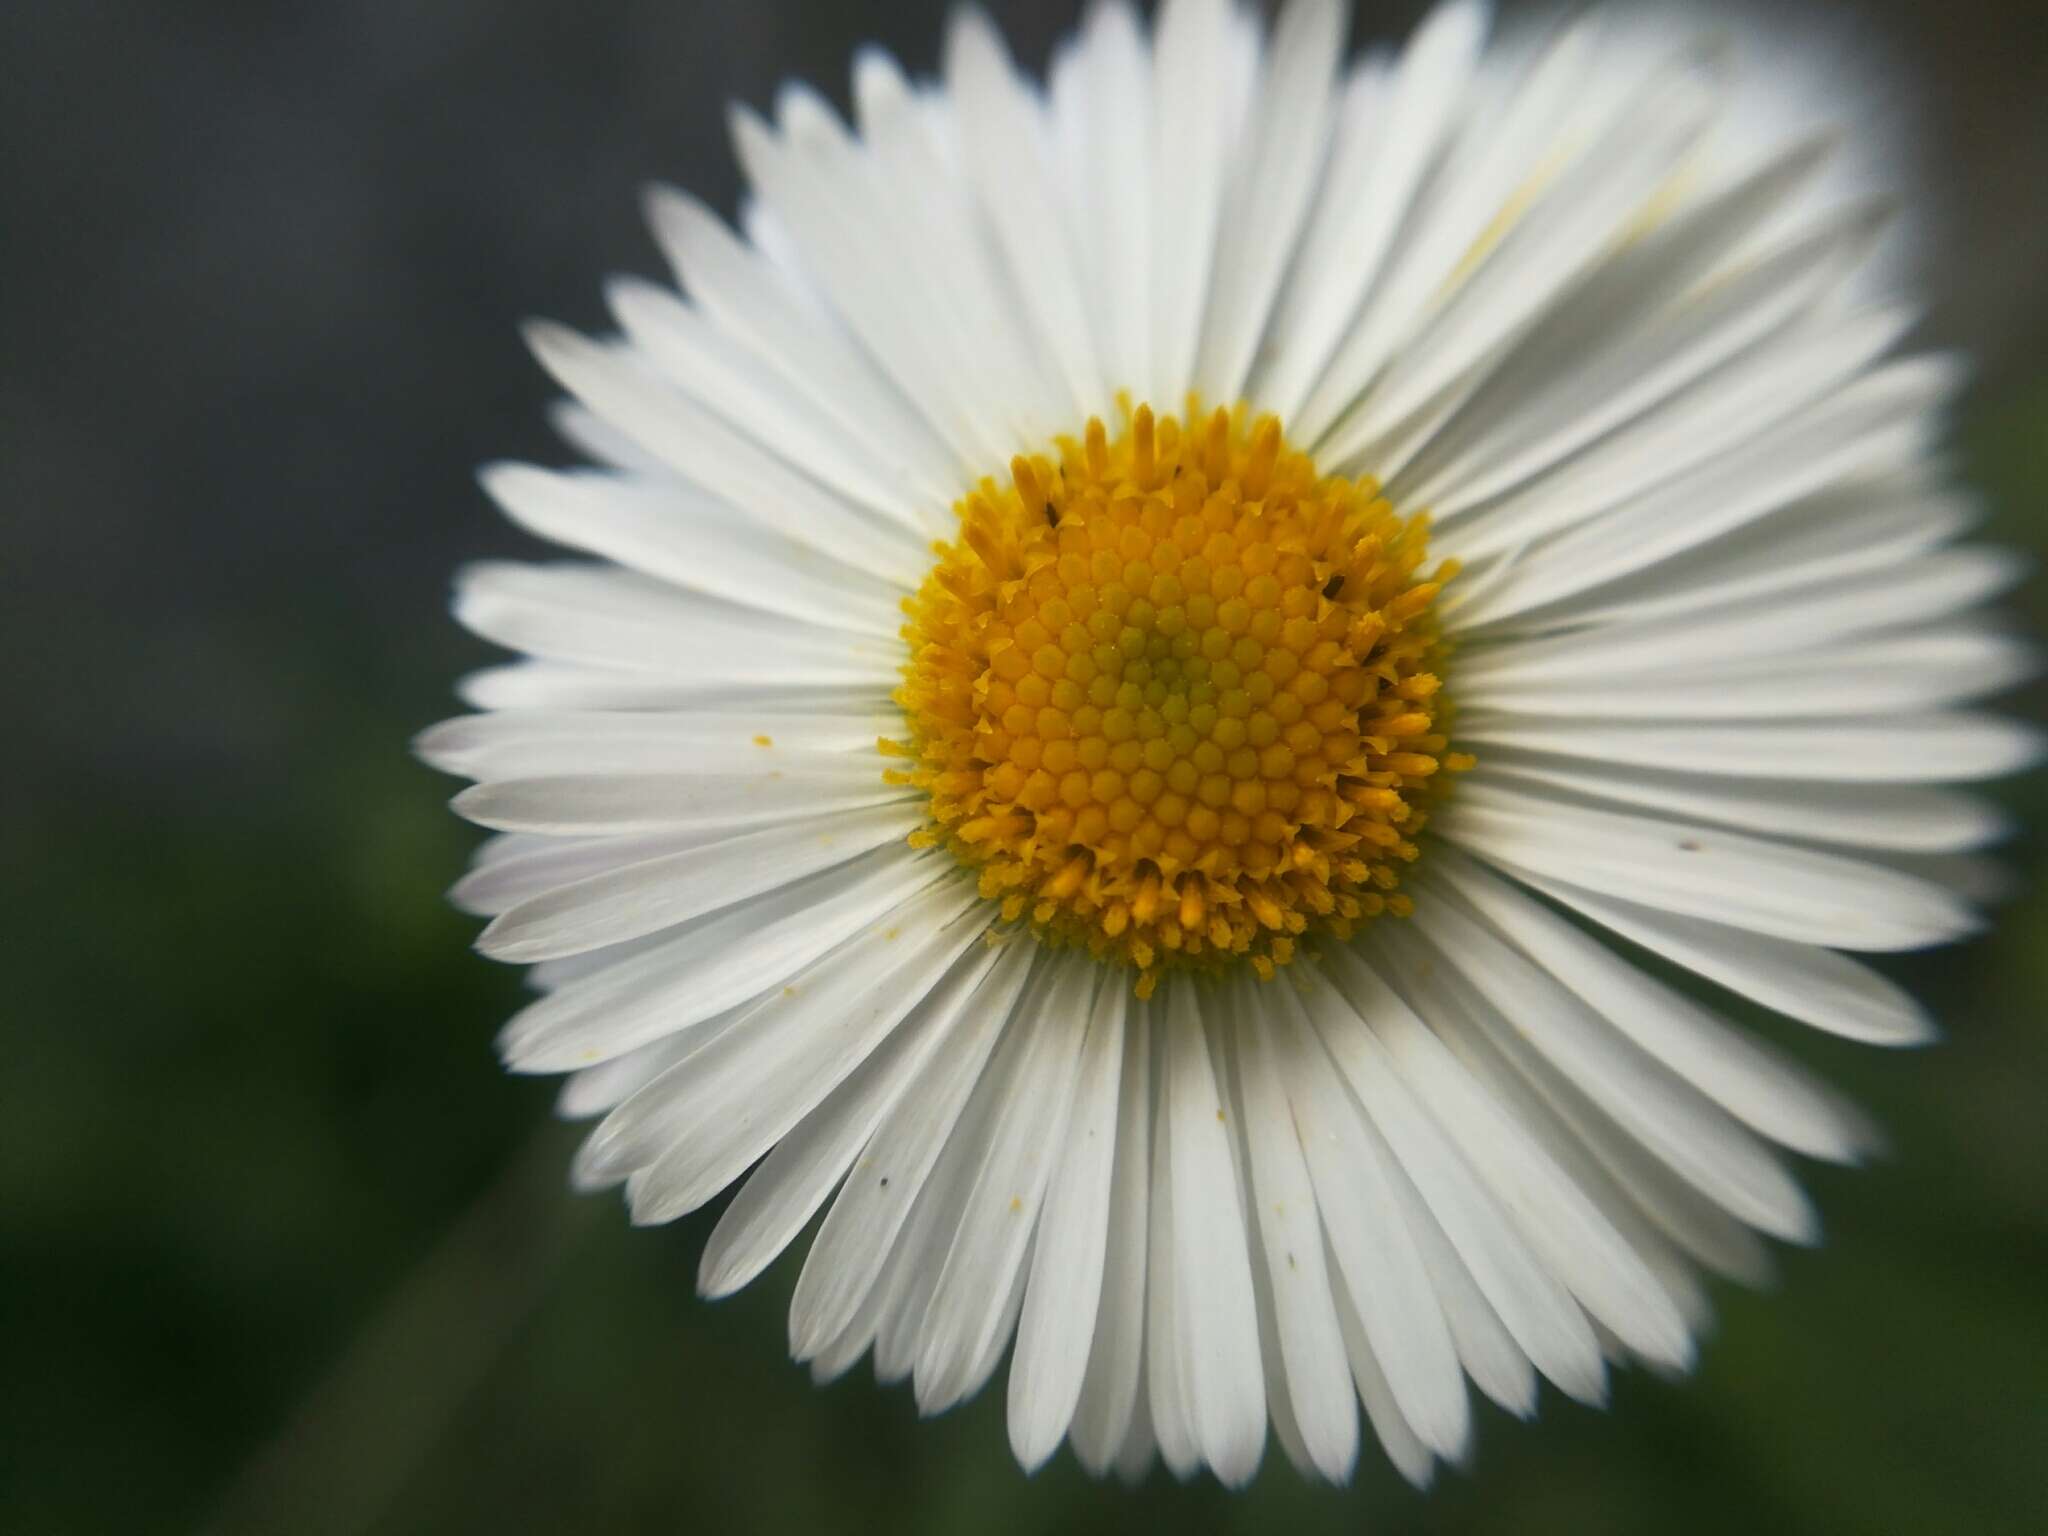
1173	693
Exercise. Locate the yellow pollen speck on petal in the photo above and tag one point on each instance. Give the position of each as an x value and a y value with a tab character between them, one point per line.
1176	696
764	741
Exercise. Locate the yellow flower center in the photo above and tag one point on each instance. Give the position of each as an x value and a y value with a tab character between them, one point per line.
1172	693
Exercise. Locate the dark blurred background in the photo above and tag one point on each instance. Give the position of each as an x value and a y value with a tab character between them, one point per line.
283	1250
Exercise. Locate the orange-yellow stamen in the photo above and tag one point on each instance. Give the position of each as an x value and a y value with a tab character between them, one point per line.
1173	692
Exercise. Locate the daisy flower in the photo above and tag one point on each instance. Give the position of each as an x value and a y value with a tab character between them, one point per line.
1184	695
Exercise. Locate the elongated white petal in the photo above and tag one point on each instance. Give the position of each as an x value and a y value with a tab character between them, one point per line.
1069	1259
1000	138
1111	1390
1771	888
1214	1308
629	900
793	1180
511	744
1910	818
712	964
592	617
917	1264
971	1295
1911	673
713	455
1114	217
854	1242
559	686
1573	1237
1527	1297
1630	338
619	804
812	354
1376	1254
1276	175
1411	1457
1387	134
1899	749
1325	1409
671	1132
1758	1085
672	532
1167	1397
1827	990
1673	1121
722	374
1192	58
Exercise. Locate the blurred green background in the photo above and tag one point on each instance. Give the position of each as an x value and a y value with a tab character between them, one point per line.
283	1250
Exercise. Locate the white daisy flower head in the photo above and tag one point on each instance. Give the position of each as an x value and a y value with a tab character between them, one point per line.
1148	657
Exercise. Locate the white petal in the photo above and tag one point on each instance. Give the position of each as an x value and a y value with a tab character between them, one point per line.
914	1268
1382	1272
709	453
793	1180
594	1090
1568	225
1627	340
1560	1224
924	210
1656	1216
1908	818
1140	1445
1816	986
671	531
510	744
1411	1458
721	373
1029	1126
1065	1295
1536	1309
753	302
1673	1121
1270	197
604	617
1115	187
1325	1408
1911	672
1875	424
826	198
1789	893
1498	1366
542	864
696	1129
650	894
552	685
618	804
855	1240
1875	522
1718	415
1192	61
1166	1387
1501	141
1214	1305
1897	749
713	964
1000	132
1110	1394
1759	1085
1389	128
